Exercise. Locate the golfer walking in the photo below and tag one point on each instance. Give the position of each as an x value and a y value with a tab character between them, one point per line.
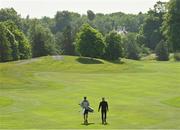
85	105
103	105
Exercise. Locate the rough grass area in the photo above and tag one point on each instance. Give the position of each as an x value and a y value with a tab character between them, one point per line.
45	93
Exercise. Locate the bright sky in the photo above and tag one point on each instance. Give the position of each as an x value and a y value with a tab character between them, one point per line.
39	8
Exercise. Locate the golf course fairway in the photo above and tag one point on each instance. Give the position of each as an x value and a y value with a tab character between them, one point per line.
44	93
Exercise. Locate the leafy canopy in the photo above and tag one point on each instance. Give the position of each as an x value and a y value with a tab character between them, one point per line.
90	42
113	46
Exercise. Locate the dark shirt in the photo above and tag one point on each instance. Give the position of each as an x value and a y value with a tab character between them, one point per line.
103	105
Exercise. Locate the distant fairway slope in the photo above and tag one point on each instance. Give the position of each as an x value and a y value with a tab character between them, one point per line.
45	93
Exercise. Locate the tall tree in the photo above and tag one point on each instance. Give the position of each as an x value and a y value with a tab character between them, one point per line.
89	42
14	45
67	43
151	29
103	23
12	15
113	48
62	19
172	24
42	40
21	48
59	38
24	45
5	46
131	47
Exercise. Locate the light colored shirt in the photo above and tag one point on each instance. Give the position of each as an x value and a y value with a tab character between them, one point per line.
85	104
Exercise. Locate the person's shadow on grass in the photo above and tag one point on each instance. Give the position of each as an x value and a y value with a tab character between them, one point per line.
88	124
105	123
93	124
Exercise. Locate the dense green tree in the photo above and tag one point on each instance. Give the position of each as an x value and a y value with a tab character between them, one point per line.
42	40
172	24
24	46
21	48
89	42
151	32
5	46
151	28
144	50
67	43
113	48
162	52
14	44
48	22
11	28
59	41
11	15
103	23
62	19
26	23
131	48
130	22
67	24
76	23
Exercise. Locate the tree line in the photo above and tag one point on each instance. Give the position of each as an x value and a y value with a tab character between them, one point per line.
108	36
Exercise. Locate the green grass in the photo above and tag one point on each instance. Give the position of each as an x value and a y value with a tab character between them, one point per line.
45	93
174	102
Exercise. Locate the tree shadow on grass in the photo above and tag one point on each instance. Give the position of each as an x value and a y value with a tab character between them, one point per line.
85	60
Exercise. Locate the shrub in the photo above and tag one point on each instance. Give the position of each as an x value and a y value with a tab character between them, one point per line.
177	56
162	51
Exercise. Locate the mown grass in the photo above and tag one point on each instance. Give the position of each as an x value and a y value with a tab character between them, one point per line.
45	93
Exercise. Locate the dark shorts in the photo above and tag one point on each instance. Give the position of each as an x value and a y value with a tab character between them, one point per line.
86	111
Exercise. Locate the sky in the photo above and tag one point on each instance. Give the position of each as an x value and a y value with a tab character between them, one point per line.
40	8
